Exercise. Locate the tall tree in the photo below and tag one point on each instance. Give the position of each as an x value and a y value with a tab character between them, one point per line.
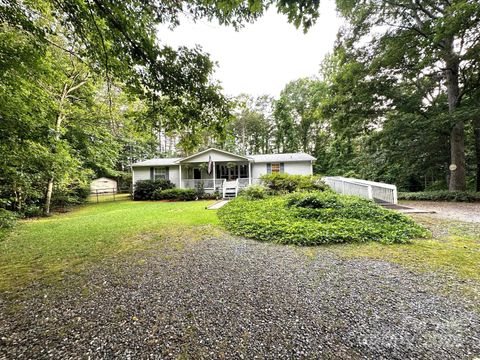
297	111
250	129
418	39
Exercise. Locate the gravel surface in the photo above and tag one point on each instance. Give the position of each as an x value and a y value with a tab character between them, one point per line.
234	298
469	212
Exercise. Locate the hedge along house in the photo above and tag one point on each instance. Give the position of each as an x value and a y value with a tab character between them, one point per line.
219	170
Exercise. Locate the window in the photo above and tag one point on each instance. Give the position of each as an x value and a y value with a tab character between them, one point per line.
244	171
275	167
160	173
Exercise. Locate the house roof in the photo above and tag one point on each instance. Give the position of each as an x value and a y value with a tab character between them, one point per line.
158	162
103	178
265	158
213	149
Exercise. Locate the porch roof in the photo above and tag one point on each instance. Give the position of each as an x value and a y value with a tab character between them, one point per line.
216	154
287	157
157	162
225	156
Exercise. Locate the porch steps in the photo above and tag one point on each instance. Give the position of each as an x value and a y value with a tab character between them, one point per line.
217	205
229	190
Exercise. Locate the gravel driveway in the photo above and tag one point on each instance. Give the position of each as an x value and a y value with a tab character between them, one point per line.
469	212
234	298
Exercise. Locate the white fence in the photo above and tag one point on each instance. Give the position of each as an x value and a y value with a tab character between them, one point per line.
378	192
208	184
102	195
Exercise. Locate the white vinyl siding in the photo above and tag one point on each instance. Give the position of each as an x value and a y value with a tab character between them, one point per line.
140	173
294	168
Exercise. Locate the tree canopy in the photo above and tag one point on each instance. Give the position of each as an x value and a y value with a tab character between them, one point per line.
88	86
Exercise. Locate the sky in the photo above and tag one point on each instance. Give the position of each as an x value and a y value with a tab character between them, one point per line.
263	57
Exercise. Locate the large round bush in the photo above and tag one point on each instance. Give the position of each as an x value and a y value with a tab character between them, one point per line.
145	189
315	218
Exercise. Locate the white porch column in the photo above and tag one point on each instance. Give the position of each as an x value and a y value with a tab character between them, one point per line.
214	176
180	176
249	173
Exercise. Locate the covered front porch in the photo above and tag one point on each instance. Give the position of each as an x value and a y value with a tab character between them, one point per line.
214	169
213	177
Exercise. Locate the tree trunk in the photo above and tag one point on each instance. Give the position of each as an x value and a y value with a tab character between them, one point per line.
244	146
58	124
457	135
458	180
48	198
476	129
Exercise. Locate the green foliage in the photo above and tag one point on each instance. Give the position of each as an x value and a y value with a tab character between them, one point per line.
73	194
442	195
145	189
297	113
250	131
7	219
401	89
316	201
281	183
317	218
57	122
254	192
200	189
175	194
118	40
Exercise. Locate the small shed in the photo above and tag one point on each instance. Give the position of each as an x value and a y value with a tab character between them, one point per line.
103	185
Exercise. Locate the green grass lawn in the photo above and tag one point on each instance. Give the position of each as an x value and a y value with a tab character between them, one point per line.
44	248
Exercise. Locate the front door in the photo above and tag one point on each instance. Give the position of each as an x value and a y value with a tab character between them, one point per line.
227	172
197	174
233	173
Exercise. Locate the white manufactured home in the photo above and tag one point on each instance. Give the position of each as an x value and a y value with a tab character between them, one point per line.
219	170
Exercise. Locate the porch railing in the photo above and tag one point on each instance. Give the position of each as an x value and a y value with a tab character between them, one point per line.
219	184
379	192
207	183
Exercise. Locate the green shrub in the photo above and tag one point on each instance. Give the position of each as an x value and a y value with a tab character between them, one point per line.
32	211
145	189
209	196
443	195
176	194
281	183
314	200
74	194
328	206
310	183
254	192
316	218
200	190
7	219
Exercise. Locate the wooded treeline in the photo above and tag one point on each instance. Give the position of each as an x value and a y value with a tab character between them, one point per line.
398	100
87	87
